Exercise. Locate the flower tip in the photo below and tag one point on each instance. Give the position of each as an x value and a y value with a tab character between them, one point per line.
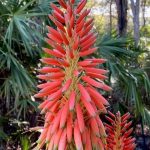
110	89
39	142
107	88
105	60
42	112
107	103
43	48
51	17
38	70
47	34
47	142
36	95
51	4
48	28
38	76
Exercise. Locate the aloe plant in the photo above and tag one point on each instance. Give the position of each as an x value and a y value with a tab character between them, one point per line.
119	132
72	103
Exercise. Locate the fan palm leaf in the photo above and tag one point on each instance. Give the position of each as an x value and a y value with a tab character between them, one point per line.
125	74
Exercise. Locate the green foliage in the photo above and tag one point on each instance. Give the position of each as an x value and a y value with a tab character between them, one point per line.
22	28
145	31
126	74
25	143
3	136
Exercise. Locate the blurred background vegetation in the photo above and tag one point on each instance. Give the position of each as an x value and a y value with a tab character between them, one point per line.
123	38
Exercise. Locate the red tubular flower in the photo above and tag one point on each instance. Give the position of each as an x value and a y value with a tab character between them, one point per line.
71	101
119	132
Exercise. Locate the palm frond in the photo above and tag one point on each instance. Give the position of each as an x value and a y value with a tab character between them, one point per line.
24	27
3	135
125	74
23	105
19	79
146	116
44	5
114	47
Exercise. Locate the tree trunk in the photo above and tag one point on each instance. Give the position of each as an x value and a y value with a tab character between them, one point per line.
135	6
2	145
110	17
122	6
143	12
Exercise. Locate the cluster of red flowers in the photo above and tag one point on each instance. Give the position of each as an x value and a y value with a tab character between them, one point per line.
71	101
119	132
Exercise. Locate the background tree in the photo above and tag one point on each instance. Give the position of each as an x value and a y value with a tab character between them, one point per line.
135	7
143	5
122	7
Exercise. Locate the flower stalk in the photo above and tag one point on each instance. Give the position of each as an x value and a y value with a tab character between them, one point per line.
119	132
